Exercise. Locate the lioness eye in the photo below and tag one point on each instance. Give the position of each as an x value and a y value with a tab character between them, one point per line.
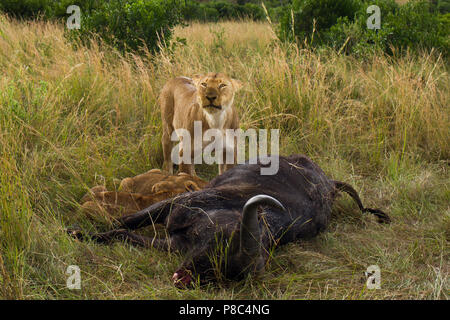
222	85
203	84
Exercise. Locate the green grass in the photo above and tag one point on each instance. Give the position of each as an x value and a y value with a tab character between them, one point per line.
70	119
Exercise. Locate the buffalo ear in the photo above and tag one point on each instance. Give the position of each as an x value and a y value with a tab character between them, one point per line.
237	84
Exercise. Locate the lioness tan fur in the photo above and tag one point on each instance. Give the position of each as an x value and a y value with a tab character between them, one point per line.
137	193
207	98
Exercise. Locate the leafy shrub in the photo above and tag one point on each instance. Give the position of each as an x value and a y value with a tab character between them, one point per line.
414	25
132	24
305	16
58	8
442	6
25	8
252	11
208	13
212	11
191	10
343	25
277	13
226	9
125	24
29	9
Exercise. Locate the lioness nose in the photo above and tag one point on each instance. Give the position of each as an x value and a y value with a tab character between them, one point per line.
211	98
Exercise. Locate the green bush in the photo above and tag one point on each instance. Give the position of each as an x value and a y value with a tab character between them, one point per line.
208	14
226	9
212	11
30	9
191	11
355	35
343	25
414	25
253	11
276	13
124	24
442	6
314	17
25	8
130	25
58	8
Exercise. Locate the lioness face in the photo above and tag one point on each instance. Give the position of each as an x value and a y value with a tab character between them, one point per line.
216	91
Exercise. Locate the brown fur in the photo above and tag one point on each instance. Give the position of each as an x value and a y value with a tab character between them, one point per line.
137	193
208	99
221	232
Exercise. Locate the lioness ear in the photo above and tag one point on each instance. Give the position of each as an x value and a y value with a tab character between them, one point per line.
237	84
197	78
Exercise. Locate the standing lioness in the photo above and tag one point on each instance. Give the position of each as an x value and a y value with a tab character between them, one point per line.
208	99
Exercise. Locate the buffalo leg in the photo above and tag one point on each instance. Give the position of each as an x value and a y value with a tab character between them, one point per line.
155	214
129	237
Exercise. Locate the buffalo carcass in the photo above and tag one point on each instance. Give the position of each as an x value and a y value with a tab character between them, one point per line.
228	228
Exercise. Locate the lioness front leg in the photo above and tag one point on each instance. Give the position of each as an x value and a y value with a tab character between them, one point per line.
167	151
224	167
229	157
188	165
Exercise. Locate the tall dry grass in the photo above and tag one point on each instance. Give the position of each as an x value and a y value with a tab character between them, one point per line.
71	118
